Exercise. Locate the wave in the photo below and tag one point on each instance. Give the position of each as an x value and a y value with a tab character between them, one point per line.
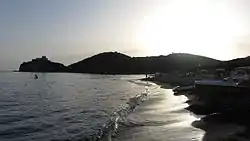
118	117
143	83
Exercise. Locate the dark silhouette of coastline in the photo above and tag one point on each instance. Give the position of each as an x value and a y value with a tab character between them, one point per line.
42	65
118	63
239	62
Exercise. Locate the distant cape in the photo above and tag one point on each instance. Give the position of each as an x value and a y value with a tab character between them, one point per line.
118	63
42	65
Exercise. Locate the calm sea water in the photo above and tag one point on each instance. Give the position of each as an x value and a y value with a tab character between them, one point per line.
92	107
60	106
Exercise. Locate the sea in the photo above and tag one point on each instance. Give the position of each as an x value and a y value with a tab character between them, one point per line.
87	107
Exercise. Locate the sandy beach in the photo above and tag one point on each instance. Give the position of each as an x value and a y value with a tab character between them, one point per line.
163	117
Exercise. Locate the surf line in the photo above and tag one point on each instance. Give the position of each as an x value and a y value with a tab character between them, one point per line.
119	115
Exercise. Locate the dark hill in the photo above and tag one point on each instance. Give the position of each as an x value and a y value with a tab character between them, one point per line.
174	62
239	62
117	63
104	63
42	65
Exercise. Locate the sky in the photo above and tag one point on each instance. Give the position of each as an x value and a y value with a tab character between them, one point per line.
70	30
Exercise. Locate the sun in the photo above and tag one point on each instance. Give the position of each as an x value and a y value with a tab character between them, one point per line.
191	27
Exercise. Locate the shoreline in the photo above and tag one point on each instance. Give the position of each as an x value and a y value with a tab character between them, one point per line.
172	79
235	127
162	113
161	84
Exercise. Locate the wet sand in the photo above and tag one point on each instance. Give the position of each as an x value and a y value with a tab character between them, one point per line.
163	117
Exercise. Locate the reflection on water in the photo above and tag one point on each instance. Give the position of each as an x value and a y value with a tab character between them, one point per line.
162	117
59	106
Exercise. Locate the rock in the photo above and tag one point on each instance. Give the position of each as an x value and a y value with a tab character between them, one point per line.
42	65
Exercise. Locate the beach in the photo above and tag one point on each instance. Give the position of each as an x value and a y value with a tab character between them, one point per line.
161	117
165	117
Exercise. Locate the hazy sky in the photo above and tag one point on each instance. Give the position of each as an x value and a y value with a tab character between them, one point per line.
70	30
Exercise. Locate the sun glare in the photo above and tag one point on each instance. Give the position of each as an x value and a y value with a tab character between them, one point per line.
192	27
